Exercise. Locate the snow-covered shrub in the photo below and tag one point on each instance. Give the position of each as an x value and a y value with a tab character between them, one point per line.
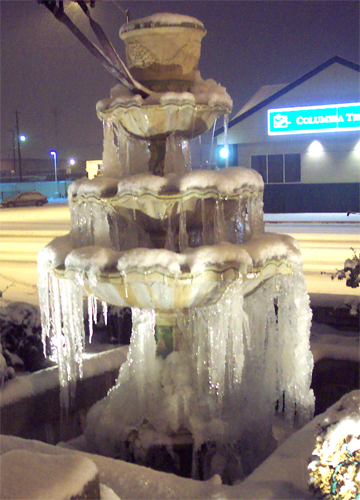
6	370
20	328
350	271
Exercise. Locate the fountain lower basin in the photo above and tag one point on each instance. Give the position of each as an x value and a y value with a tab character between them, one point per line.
167	281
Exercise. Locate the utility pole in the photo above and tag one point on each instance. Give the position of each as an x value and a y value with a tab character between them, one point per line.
14	148
18	143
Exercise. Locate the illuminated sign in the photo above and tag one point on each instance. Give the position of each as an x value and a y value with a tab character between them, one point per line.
314	119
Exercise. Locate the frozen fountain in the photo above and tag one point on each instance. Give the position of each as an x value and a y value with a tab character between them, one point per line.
220	348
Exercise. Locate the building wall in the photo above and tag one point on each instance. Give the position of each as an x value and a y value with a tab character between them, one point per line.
340	159
338	162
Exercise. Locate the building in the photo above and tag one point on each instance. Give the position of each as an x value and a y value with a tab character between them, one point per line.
304	139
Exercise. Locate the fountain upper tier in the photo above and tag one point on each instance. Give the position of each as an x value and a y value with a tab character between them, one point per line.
184	114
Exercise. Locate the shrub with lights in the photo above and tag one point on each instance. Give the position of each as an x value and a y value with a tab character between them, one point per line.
335	463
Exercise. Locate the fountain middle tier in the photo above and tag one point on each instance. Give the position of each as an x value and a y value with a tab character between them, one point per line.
174	212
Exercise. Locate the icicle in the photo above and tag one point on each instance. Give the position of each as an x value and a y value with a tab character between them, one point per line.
226	138
183	236
186	151
212	161
110	158
207	224
219	222
296	362
124	277
170	239
105	311
92	314
44	303
256	215
62	313
142	352
177	158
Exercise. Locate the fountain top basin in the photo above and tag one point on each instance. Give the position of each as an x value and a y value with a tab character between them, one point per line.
163	50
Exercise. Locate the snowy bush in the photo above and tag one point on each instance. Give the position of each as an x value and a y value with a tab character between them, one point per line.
350	271
6	370
21	337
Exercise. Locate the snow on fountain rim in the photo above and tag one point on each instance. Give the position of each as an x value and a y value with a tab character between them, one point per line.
202	93
162	19
54	254
226	182
95	260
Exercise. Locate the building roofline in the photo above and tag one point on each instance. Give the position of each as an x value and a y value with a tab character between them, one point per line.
290	86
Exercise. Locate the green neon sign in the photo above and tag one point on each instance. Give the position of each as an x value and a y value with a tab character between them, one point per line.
314	119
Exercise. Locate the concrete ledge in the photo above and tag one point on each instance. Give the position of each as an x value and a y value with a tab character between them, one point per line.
30	404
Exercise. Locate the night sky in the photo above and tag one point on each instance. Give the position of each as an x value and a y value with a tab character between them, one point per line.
54	83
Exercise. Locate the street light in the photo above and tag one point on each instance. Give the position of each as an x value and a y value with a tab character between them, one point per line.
54	155
19	138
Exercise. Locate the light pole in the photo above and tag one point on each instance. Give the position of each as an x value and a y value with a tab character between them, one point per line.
19	138
54	155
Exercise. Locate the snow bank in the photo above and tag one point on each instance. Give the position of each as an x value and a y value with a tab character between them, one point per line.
25	474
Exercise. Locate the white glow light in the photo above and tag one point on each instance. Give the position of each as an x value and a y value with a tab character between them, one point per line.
224	153
316	148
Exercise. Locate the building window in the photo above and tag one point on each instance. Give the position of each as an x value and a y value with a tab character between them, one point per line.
276	169
258	163
292	168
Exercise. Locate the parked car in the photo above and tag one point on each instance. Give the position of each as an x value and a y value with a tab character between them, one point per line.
25	199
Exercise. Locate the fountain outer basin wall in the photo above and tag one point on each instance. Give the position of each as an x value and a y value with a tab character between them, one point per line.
156	289
163	51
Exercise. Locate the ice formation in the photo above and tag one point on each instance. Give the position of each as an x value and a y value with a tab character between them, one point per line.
221	318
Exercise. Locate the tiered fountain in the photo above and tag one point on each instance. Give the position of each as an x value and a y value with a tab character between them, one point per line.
221	318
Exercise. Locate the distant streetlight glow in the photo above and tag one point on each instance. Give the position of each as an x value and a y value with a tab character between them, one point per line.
22	138
224	153
72	161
